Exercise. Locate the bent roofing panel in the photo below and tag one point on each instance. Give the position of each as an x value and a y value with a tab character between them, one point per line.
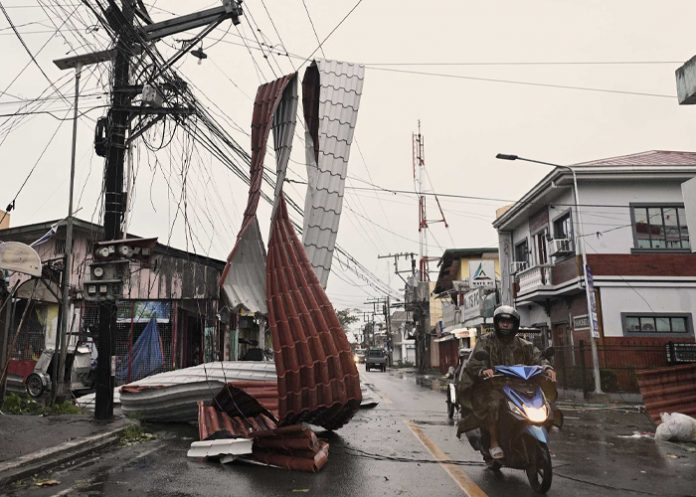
284	120
292	447
318	381
243	277
331	99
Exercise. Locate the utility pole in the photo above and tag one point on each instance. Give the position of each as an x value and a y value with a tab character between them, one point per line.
396	258
132	39
421	307
118	122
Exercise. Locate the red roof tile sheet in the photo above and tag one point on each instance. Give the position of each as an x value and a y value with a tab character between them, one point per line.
649	158
318	381
293	447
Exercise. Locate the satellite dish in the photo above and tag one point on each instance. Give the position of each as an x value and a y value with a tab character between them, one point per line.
20	257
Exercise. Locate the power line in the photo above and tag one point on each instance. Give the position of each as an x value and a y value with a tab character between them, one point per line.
321	44
525	83
314	29
531	63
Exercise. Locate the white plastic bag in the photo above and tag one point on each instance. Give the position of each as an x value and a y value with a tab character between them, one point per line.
676	427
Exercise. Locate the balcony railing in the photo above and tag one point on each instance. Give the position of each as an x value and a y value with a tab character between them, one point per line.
534	278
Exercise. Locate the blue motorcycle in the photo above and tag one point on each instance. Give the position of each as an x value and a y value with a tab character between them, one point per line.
525	418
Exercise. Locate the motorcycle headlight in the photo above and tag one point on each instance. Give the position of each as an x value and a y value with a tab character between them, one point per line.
536	414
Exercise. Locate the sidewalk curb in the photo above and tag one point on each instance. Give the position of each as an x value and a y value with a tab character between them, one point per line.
41	460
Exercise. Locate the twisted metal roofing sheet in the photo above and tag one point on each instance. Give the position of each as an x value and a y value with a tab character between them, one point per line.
172	396
243	280
318	381
291	447
331	97
671	389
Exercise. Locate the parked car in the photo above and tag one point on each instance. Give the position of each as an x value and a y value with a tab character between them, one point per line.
376	358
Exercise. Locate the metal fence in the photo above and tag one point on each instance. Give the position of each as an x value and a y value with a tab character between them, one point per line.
131	322
617	364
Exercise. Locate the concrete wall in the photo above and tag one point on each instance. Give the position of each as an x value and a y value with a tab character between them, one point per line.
642	299
614	224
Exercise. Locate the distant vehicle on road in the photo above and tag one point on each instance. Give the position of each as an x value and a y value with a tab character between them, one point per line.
359	356
377	359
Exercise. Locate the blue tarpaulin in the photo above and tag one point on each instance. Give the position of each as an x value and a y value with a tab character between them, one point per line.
145	358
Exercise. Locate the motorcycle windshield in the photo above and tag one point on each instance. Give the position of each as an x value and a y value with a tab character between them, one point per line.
520	371
523	399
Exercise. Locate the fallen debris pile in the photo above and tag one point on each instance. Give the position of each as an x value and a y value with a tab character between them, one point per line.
235	425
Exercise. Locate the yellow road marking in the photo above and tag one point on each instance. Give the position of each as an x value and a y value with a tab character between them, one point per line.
455	472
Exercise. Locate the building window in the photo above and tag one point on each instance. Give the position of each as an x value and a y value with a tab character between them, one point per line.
660	227
542	253
562	227
657	324
563	230
522	252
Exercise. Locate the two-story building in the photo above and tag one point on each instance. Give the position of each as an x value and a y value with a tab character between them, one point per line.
632	226
467	287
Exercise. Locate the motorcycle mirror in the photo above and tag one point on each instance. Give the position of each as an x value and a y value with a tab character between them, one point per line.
548	353
481	355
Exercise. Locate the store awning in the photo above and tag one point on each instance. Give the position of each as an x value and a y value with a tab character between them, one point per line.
456	334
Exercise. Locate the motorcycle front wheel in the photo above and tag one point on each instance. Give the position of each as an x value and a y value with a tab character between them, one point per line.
539	471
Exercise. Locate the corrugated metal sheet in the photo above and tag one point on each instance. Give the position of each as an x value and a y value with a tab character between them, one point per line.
671	389
293	447
243	280
172	396
331	97
318	381
284	121
249	399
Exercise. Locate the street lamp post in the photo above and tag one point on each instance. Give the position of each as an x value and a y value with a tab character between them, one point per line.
76	62
581	247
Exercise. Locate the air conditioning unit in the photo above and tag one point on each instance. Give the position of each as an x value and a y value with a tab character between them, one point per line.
517	266
561	246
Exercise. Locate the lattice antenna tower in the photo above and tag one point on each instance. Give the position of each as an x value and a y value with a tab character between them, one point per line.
418	151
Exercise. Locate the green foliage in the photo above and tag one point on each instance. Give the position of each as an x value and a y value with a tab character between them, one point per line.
18	404
65	407
347	317
135	434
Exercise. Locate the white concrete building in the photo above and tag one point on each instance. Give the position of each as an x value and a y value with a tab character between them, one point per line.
637	245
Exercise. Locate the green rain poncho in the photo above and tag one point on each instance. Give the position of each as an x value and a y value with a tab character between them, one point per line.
480	403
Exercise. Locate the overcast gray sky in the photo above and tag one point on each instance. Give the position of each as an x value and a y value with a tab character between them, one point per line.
483	77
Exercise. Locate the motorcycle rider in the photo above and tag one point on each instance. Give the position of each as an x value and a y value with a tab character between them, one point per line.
477	399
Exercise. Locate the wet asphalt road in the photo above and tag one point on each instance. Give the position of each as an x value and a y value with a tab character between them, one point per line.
383	452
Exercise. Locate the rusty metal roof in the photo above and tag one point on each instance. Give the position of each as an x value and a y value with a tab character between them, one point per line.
330	97
671	389
318	381
243	280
